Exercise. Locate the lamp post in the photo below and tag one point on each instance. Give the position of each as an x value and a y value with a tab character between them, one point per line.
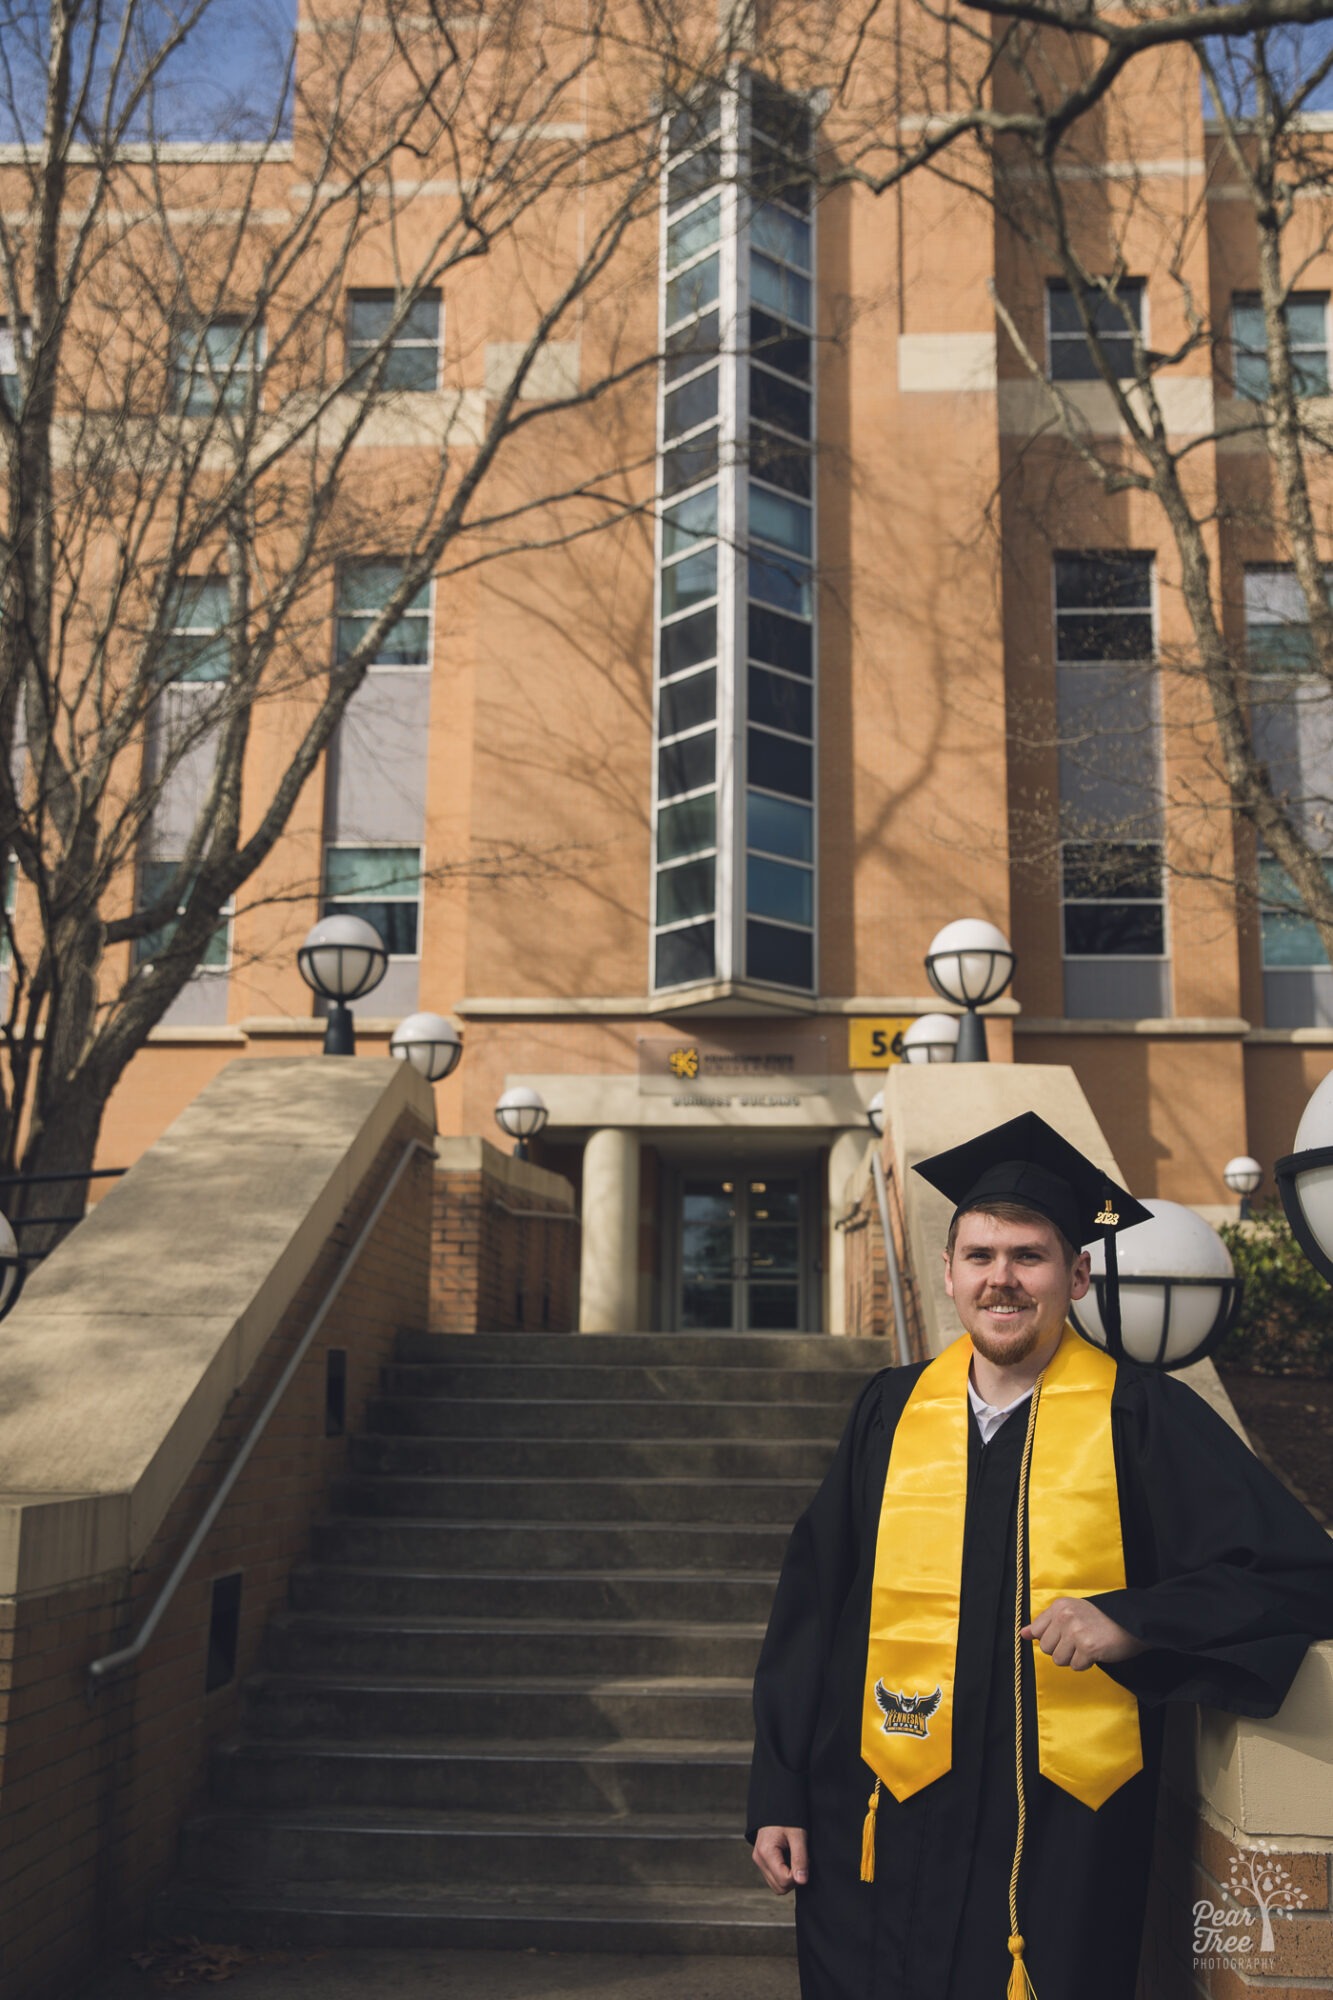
875	1114
11	1266
431	1044
1305	1181
342	959
1243	1175
521	1113
1178	1289
931	1038
970	962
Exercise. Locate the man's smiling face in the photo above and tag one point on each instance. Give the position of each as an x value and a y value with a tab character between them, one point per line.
1011	1283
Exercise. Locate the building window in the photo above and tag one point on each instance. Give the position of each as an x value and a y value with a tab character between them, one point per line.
734	892
381	884
1116	317
413	357
1306	317
364	589
155	881
1113	915
195	648
10	349
212	366
1112	896
1293	737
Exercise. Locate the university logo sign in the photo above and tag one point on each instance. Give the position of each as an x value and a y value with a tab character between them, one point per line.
684	1062
906	1714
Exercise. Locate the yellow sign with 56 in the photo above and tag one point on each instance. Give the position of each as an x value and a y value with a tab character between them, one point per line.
874	1044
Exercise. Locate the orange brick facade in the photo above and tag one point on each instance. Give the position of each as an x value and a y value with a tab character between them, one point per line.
497	1264
92	1793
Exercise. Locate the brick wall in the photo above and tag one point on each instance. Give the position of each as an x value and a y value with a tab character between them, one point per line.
92	1795
495	1271
1203	1936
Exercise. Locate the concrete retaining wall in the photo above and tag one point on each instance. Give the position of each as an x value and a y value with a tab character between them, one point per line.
129	1374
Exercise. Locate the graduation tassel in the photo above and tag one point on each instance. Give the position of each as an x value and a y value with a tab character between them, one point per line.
868	1838
1020	1986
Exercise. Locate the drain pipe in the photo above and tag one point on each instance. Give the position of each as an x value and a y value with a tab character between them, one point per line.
891	1256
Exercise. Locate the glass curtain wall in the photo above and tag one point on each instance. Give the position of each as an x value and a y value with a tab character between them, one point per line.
734	797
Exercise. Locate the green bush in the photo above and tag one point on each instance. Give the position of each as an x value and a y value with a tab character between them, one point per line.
1285	1325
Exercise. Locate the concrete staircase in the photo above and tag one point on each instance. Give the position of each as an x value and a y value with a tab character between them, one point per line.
509	1704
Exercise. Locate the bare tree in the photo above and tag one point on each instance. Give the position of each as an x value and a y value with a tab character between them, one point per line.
1209	430
200	445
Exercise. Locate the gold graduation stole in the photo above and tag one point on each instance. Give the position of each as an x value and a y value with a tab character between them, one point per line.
1087	1725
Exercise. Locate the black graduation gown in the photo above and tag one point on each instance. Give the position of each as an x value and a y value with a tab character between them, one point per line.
1228	1581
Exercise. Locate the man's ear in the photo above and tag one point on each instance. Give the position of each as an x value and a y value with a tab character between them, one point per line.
948	1275
1080	1278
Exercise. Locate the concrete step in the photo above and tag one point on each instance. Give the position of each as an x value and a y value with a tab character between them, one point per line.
568	1458
496	1546
506	1775
738	1350
392	1845
417	1412
542	1381
775	1502
297	1642
366	1708
637	1919
721	1596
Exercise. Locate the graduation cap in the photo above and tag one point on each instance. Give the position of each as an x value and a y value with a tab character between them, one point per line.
1026	1161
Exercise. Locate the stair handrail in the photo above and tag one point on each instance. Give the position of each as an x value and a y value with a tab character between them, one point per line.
891	1257
101	1670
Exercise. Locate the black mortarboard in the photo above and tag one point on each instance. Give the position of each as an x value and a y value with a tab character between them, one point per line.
1025	1160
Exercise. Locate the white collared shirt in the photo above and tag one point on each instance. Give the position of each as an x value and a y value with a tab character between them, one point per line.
988	1416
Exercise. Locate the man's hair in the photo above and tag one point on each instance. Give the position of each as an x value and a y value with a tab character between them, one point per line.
1013	1211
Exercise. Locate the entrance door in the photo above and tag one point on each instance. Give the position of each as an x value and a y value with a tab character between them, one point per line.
742	1237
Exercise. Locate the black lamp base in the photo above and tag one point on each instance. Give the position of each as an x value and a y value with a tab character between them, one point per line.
972	1039
340	1034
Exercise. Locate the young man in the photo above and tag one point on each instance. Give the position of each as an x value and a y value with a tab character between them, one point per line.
942	1837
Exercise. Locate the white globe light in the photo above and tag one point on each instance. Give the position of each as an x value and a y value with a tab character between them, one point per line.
1164	1323
970	962
875	1113
431	1044
342	958
521	1111
1243	1174
931	1038
1307	1190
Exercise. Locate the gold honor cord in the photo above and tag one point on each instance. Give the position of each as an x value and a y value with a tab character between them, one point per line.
1020	1983
1087	1726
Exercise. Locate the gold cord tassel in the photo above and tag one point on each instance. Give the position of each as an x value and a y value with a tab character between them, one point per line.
868	1838
1020	1985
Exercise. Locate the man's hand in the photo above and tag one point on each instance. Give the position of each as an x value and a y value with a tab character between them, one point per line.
1076	1634
781	1858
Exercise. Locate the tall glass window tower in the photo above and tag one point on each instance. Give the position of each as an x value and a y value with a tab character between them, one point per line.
735	860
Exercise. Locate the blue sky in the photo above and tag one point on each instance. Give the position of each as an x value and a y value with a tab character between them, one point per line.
225	81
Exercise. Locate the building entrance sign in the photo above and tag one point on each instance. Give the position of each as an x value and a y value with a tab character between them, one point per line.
742	1237
766	1071
873	1041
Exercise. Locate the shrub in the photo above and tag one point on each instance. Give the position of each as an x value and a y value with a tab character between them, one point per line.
1285	1324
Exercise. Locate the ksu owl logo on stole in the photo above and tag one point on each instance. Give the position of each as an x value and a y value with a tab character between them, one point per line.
906	1714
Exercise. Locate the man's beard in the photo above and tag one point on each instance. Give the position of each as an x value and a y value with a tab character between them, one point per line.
1004	1354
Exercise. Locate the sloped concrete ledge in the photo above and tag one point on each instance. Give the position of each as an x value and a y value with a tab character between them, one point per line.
120	1359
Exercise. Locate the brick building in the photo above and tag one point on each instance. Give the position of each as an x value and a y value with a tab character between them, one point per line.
666	815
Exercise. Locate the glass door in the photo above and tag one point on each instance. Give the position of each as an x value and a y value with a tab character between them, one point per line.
741	1265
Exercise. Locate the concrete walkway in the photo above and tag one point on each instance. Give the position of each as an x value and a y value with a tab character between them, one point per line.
469	1975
